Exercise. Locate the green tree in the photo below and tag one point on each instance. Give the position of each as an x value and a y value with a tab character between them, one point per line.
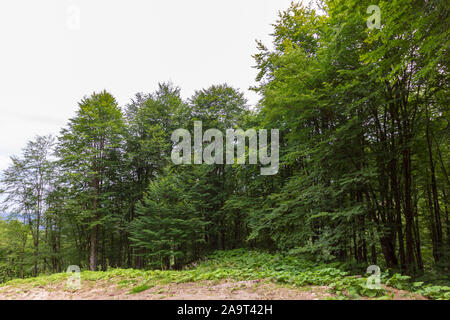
167	224
25	184
89	148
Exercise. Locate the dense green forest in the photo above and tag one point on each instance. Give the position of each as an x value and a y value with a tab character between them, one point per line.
364	152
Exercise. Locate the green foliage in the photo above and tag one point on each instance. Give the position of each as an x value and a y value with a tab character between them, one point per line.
439	292
238	264
166	224
140	288
399	281
15	250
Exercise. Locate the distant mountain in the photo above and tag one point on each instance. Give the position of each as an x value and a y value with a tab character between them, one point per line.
3	215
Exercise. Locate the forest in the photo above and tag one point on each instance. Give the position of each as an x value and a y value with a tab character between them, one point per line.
363	124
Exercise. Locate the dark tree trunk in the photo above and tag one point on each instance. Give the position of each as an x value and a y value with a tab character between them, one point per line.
93	249
435	198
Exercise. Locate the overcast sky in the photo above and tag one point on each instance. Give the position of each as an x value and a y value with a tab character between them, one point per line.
49	61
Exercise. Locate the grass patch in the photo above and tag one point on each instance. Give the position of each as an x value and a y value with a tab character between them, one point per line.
141	288
241	265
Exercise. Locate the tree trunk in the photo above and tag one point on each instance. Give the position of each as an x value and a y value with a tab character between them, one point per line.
410	261
435	198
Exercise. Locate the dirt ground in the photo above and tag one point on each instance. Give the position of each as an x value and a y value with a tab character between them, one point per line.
204	290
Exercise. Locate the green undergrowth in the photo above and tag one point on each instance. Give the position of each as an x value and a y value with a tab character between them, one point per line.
243	264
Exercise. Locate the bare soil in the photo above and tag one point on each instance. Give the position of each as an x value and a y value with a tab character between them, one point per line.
203	290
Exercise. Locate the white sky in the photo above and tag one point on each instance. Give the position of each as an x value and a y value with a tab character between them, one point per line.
123	46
